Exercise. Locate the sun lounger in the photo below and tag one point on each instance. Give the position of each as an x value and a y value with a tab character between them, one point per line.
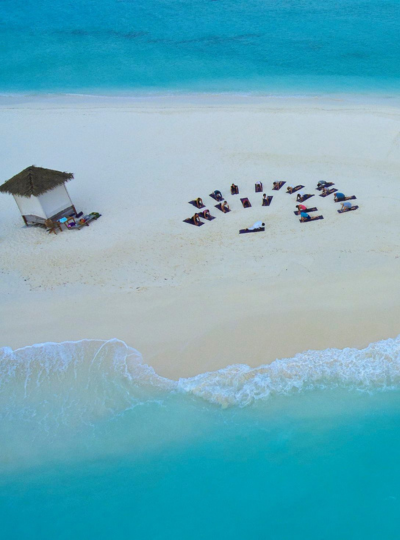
307	210
245	231
329	192
305	198
219	208
316	218
209	218
267	201
329	184
83	222
349	210
258	187
278	187
191	222
194	203
347	199
297	188
215	198
246	200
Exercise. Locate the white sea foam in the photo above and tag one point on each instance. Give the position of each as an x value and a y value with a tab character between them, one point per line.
91	378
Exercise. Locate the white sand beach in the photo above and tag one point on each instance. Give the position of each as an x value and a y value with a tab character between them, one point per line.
197	299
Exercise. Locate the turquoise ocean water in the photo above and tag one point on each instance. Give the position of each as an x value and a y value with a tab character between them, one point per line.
199	45
95	445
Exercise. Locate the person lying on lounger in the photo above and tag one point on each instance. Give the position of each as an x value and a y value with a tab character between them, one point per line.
225	207
218	195
256	227
346	206
234	189
196	220
199	202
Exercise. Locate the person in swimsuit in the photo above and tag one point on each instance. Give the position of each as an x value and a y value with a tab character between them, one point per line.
196	220
339	197
304	216
199	202
206	213
277	184
225	207
301	207
234	189
218	195
322	183
246	203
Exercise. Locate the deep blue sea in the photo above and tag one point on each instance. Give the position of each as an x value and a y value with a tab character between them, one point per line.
95	445
199	45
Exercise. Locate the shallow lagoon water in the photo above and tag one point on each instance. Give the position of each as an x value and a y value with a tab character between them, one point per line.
97	445
193	45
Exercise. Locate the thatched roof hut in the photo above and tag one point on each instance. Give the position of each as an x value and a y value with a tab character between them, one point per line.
40	193
35	181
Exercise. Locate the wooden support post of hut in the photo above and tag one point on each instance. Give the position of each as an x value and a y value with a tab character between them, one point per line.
40	194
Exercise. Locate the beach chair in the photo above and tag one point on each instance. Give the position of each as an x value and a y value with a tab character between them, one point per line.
52	226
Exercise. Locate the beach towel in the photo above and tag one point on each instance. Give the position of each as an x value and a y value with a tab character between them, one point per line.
246	200
244	231
349	210
195	204
305	197
307	210
295	189
267	201
329	193
313	219
219	208
191	222
277	188
347	199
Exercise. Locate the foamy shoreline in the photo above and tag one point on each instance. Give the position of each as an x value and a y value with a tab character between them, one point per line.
198	300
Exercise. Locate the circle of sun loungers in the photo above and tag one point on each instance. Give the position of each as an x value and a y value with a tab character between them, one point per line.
325	188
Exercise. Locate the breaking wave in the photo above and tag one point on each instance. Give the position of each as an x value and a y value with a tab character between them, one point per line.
102	378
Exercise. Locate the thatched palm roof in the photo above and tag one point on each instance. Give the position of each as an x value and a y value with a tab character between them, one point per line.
34	181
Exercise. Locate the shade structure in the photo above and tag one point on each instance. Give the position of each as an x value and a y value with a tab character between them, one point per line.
40	194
